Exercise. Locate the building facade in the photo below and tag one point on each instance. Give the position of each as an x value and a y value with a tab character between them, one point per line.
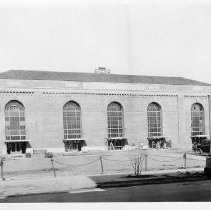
62	112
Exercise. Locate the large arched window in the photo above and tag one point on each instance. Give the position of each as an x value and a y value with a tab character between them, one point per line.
115	120
154	116
15	121
72	120
15	128
197	120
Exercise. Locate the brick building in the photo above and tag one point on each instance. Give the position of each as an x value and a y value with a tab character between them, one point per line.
61	111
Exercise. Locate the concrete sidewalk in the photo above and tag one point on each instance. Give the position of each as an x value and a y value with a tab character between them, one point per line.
44	185
40	185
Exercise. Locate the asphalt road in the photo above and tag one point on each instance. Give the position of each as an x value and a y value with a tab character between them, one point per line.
188	191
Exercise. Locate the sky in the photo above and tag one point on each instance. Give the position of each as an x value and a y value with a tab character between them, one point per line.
159	38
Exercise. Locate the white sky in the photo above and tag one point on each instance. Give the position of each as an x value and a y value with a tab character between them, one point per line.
163	38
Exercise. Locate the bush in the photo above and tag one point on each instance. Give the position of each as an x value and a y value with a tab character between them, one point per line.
137	157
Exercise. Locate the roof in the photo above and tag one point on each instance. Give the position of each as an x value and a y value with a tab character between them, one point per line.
96	77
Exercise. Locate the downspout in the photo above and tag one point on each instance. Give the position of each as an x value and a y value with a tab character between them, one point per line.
178	122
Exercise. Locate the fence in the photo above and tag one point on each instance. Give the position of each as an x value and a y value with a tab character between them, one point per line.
101	164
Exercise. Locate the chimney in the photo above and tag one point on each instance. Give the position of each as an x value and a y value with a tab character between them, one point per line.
102	70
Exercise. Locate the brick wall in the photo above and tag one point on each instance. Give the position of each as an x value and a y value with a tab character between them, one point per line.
44	116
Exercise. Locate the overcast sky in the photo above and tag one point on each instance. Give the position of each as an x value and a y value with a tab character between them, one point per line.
148	38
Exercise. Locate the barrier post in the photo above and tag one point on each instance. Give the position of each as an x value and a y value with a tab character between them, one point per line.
145	162
101	164
185	160
54	173
2	172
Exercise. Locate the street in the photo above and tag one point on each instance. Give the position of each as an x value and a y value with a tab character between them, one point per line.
188	191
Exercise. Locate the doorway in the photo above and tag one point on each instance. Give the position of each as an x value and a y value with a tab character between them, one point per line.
16	147
73	146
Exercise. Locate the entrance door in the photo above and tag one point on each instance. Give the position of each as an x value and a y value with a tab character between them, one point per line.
16	147
73	146
116	144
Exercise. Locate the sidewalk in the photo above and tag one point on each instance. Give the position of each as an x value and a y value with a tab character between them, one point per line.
44	185
40	185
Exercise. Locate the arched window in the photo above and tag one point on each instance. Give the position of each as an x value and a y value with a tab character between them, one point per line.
115	120
15	128
72	120
197	120
154	120
15	121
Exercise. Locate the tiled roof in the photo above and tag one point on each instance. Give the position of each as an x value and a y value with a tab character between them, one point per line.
94	77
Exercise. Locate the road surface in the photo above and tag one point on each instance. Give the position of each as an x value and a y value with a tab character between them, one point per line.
187	191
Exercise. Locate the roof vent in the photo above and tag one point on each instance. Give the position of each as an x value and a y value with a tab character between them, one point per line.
102	70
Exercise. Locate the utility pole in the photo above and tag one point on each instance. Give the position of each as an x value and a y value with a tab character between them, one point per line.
207	169
209	103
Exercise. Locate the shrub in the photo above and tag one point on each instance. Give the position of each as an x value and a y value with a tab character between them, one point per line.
137	157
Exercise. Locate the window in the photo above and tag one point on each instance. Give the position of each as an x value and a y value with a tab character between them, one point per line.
154	120
72	120
197	120
115	120
15	121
